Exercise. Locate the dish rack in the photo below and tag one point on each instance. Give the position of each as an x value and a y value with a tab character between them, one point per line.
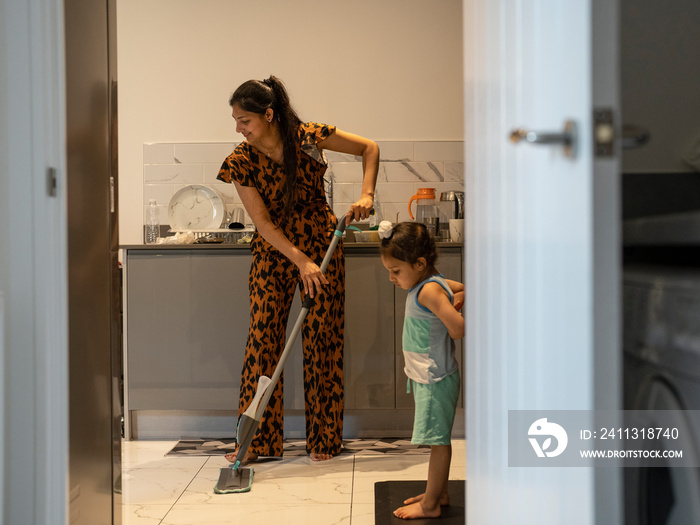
229	236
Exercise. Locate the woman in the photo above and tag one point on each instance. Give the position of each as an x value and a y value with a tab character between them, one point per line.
278	173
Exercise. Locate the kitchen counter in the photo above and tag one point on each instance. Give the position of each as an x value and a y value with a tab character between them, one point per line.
223	246
186	315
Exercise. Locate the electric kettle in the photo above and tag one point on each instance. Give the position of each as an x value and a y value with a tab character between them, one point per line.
453	204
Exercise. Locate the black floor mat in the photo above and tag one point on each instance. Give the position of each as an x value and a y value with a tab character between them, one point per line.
390	495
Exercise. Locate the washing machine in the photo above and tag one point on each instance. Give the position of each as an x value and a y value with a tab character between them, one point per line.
661	342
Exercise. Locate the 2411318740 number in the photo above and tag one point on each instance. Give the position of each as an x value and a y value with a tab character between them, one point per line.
654	433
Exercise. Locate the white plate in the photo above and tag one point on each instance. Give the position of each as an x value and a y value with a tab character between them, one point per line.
195	207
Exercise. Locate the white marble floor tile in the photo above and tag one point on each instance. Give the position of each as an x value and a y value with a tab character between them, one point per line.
287	482
362	514
151	454
459	453
190	463
155	486
159	490
144	514
369	471
329	514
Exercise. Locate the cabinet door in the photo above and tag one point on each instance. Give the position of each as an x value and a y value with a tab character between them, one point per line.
450	265
369	338
188	315
293	377
369	335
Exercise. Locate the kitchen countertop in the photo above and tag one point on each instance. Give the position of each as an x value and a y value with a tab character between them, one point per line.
351	246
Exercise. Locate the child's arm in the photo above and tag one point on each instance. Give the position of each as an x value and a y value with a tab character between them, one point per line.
458	291
434	298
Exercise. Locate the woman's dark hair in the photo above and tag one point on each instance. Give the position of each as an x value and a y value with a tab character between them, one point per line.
408	242
256	96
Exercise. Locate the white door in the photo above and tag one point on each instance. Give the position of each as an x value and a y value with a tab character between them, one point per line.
33	269
542	250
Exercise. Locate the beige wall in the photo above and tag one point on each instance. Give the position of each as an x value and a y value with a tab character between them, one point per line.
387	69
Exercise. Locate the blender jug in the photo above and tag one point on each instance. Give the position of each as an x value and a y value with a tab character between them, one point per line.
426	209
451	207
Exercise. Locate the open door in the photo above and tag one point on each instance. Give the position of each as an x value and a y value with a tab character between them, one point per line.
542	247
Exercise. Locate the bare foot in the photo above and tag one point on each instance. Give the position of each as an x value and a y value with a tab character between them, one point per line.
415	511
318	456
444	499
249	457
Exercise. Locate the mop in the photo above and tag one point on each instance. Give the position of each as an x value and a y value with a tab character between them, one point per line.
237	479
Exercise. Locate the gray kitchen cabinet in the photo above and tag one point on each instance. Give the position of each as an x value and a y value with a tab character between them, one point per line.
369	337
186	324
369	334
186	328
450	265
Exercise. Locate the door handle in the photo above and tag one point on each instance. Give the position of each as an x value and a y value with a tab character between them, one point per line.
568	138
634	136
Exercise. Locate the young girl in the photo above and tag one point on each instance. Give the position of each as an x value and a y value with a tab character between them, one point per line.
431	324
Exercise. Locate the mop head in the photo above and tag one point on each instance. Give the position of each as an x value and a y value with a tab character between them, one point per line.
232	480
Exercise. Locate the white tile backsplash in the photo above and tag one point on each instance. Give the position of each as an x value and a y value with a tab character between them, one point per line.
343	192
158	153
454	172
173	173
405	166
334	156
346	171
395	191
227	192
412	172
212	170
160	192
396	151
202	153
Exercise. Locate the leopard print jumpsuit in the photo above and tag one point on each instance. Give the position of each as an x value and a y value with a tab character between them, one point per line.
272	283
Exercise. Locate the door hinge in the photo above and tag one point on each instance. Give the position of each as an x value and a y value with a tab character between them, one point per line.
603	133
52	181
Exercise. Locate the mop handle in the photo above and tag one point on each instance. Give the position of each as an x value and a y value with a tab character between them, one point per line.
305	307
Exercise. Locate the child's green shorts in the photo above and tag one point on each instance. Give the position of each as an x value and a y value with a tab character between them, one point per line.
436	404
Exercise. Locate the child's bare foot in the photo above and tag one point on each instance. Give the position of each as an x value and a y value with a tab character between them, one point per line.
444	499
416	511
319	456
250	456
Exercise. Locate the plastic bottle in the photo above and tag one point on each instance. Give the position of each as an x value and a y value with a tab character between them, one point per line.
374	216
152	223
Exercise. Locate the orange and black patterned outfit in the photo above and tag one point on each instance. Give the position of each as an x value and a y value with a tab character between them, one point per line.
272	283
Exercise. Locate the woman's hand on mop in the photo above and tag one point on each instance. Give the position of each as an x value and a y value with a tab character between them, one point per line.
312	278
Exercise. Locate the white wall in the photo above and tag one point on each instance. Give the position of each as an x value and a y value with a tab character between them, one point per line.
389	70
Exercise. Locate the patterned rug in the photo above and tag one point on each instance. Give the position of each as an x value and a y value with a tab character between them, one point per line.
297	447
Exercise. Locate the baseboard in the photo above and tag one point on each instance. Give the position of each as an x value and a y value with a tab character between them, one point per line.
182	424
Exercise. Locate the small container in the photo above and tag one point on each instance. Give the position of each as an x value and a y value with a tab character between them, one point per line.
366	236
374	215
152	223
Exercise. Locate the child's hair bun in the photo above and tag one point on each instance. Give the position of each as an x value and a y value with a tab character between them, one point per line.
385	230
